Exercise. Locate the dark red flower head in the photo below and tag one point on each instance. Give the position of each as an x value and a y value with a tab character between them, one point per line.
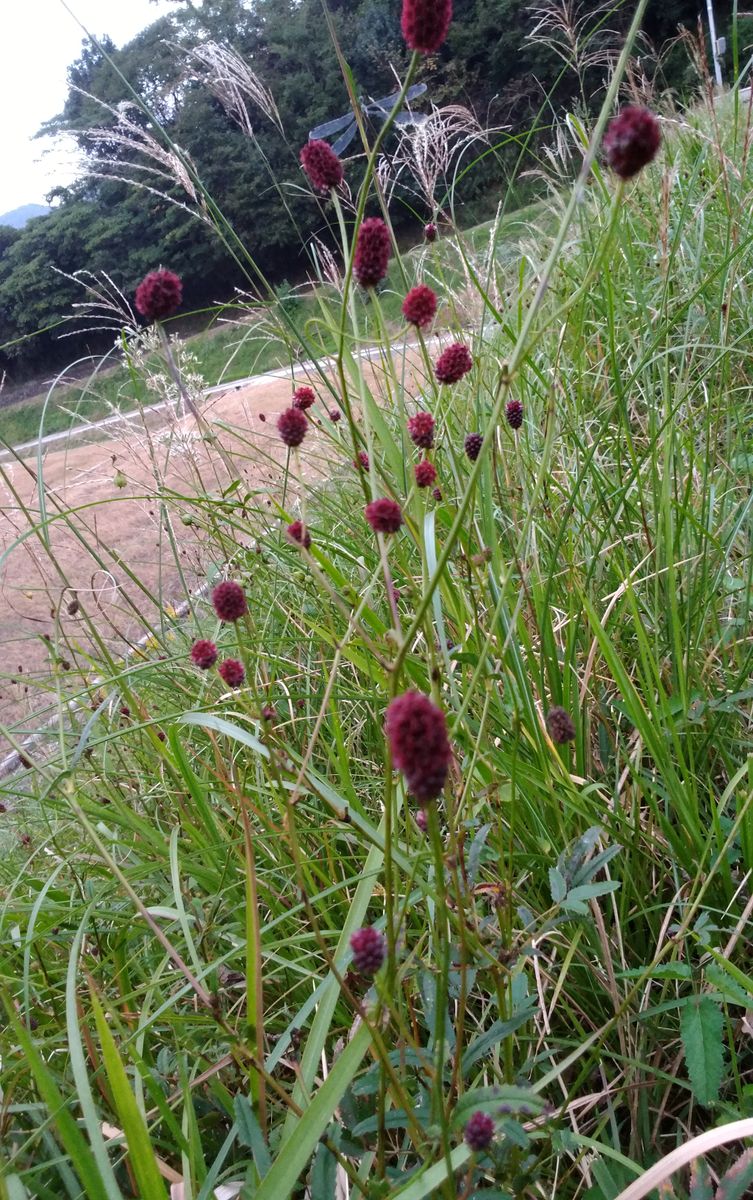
369	950
303	397
268	713
514	413
421	430
232	672
426	473
631	141
425	23
229	601
204	654
560	725
372	252
297	532
335	415
384	515
472	445
420	305
453	363
322	165
158	295
292	426
437	494
362	460
430	232
479	1131
417	736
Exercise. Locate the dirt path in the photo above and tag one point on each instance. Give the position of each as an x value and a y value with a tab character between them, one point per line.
111	536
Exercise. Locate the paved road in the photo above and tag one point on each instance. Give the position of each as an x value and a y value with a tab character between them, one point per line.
305	368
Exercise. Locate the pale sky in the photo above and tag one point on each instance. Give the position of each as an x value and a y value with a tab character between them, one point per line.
38	41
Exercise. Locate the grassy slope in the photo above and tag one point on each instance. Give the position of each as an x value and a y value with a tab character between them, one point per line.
601	561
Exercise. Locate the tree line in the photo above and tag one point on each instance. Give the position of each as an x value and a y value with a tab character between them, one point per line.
490	64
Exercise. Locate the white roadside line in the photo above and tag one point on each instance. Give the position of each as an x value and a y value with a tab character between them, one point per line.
12	761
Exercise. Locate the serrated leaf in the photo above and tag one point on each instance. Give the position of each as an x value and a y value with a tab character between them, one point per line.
735	1182
496	1032
701	1032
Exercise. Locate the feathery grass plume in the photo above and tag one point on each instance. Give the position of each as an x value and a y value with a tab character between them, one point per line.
472	445
292	426
297	532
514	413
322	166
303	397
425	473
560	726
425	23
159	295
126	145
421	430
232	82
372	254
631	141
204	654
369	948
383	515
479	1131
420	305
428	152
232	671
453	363
229	601
417	736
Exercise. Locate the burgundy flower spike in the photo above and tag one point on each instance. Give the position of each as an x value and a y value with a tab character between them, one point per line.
229	601
232	672
417	736
425	23
453	363
204	654
426	473
297	532
322	166
158	295
372	252
421	430
631	141
420	306
369	950
384	515
303	397
292	426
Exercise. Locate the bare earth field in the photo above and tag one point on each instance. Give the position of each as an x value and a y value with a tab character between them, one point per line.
117	539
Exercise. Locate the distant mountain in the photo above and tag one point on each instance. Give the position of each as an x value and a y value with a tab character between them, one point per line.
19	216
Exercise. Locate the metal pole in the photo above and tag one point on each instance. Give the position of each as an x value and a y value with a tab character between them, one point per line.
714	50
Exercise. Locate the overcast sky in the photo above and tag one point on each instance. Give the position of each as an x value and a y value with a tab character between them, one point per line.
38	40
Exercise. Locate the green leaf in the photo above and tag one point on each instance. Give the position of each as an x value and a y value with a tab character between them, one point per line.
141	1153
296	1150
250	1134
701	1031
557	885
